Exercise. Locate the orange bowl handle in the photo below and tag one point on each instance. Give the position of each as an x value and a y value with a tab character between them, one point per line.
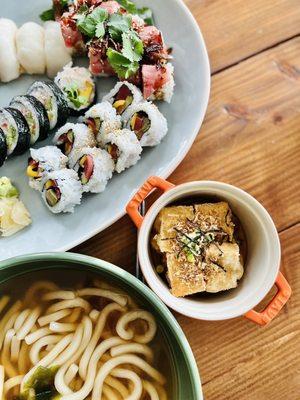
154	182
271	311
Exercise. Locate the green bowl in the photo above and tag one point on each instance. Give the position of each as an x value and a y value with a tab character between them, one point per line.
181	368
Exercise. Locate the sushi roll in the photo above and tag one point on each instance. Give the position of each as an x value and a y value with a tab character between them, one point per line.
57	54
16	131
3	148
147	122
35	114
78	87
44	160
123	95
102	118
62	191
158	82
30	41
53	100
71	138
9	64
124	148
94	167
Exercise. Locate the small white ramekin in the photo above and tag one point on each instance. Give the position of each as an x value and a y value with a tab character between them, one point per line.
263	253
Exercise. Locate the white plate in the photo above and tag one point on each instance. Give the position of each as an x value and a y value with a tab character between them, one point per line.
185	114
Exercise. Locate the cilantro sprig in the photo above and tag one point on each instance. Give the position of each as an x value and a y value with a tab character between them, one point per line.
93	24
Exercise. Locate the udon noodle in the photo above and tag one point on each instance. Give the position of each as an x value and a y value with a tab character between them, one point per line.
91	343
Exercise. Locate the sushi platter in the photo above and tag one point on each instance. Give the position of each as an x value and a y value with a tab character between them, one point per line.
78	151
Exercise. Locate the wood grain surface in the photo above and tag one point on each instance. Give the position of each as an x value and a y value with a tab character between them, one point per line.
250	138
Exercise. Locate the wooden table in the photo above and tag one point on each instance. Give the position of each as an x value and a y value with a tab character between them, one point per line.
250	138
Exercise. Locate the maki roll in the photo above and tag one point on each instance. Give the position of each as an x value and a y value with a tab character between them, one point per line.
62	191
53	100
94	167
123	95
102	118
16	131
35	114
147	122
124	148
158	82
43	160
78	87
3	148
71	138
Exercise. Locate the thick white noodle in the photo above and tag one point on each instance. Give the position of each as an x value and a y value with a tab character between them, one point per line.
9	324
133	378
115	362
15	349
71	373
29	323
6	318
62	305
39	286
11	383
21	319
23	361
10	370
121	300
59	295
34	353
128	334
83	365
60	327
92	369
133	348
56	316
110	393
71	349
150	389
94	315
60	381
3	303
116	384
34	336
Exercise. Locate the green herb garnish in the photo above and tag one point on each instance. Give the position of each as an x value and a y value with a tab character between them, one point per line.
47	15
121	64
146	14
118	24
128	6
133	47
93	24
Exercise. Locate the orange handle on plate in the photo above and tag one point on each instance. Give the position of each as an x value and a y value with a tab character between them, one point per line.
154	182
271	311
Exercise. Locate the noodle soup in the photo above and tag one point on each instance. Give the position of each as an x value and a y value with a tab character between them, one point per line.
84	339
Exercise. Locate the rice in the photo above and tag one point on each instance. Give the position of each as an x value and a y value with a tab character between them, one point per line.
137	96
124	148
82	137
50	158
70	189
158	123
102	171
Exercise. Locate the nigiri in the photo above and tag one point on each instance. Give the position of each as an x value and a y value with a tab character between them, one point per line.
30	48
9	64
57	55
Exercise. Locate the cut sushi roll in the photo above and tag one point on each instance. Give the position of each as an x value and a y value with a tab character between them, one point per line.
147	122
16	131
158	82
123	95
3	148
78	87
35	114
94	167
71	138
102	118
43	160
124	148
53	100
62	191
